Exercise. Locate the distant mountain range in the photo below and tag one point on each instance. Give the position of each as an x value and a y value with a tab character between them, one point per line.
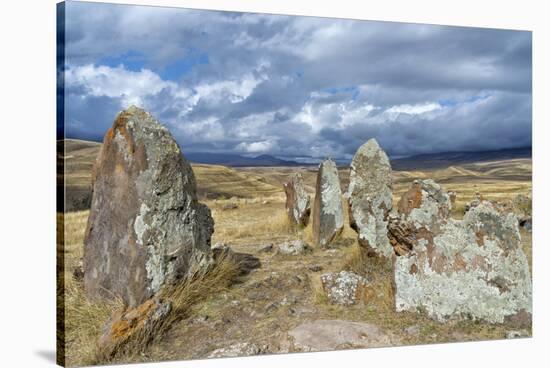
445	159
420	162
234	160
424	161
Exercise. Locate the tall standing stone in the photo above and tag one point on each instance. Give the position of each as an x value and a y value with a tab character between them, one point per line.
146	227
328	213
298	206
370	198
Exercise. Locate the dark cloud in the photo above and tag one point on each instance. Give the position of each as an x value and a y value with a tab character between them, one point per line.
298	86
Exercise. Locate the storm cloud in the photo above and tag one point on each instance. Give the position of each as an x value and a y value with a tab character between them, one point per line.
297	86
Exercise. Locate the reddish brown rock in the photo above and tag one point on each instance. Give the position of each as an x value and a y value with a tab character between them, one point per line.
146	227
142	319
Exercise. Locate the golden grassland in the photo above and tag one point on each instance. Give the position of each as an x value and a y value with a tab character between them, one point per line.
286	290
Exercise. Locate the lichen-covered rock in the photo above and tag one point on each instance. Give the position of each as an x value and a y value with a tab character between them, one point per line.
295	247
344	288
142	319
474	268
425	205
146	227
370	197
297	201
328	212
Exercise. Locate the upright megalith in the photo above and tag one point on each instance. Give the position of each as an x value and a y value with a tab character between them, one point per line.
146	227
370	198
472	268
328	212
298	206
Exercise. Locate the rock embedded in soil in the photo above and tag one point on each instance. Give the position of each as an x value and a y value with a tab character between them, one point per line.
295	247
344	288
146	227
297	204
326	335
328	212
370	198
473	268
245	262
143	320
236	350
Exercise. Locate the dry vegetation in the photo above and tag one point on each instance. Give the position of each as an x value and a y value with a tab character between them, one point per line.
286	290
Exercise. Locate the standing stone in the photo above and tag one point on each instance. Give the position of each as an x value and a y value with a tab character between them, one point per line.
370	198
328	212
297	201
146	227
473	268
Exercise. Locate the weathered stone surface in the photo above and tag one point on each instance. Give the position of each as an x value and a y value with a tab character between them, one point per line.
370	197
328	212
294	247
425	205
141	319
146	227
297	201
323	335
237	350
344	288
474	268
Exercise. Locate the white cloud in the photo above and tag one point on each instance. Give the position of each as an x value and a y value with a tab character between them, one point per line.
414	109
132	87
257	147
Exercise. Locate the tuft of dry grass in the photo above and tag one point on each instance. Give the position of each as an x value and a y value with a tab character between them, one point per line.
183	297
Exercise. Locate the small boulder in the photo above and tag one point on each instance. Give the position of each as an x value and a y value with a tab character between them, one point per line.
297	201
142	319
328	212
295	247
230	206
370	197
344	288
236	350
246	262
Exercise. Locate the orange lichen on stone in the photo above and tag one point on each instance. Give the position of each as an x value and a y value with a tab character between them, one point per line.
411	199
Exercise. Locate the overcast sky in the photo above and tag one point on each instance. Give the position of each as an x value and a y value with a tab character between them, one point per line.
297	86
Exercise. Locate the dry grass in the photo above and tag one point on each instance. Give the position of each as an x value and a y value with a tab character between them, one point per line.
231	314
183	298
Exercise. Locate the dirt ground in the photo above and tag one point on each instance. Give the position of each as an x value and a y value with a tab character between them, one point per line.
285	291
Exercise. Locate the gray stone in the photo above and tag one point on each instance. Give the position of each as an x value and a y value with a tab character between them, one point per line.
370	197
146	227
295	247
230	206
425	205
297	201
236	350
328	212
324	335
344	288
474	268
